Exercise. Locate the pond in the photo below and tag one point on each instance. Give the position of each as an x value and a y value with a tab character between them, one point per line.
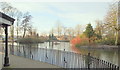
38	51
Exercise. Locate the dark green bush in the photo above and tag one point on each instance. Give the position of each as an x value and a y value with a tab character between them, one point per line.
77	45
106	41
29	40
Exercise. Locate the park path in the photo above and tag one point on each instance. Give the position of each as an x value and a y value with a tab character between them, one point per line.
21	62
0	60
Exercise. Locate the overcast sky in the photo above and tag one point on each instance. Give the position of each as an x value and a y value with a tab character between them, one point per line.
46	14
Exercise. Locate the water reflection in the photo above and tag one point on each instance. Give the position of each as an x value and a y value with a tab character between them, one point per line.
108	55
40	52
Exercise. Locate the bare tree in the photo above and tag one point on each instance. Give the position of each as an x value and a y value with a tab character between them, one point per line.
26	23
11	11
111	20
5	7
73	32
78	29
64	30
30	30
18	19
99	28
52	31
44	34
69	32
59	28
15	13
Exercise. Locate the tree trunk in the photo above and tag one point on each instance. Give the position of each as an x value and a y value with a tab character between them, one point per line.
24	33
17	32
17	29
89	44
12	34
116	36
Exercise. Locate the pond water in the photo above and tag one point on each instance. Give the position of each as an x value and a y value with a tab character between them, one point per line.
38	51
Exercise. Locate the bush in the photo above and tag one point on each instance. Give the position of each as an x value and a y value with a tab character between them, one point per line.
29	40
106	41
79	41
77	45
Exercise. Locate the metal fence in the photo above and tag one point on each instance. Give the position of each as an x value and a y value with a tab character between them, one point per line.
98	63
63	59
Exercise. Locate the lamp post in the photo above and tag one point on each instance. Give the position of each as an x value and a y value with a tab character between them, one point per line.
6	21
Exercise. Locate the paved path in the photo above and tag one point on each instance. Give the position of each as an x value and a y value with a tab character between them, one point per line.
1	60
21	62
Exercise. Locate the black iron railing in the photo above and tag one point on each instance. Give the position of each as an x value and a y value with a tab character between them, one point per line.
98	63
63	59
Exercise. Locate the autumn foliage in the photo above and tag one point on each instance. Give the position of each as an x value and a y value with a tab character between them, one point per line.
78	41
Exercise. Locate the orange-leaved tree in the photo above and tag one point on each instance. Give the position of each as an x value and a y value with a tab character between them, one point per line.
80	40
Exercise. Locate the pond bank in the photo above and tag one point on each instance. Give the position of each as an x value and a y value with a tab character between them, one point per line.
99	47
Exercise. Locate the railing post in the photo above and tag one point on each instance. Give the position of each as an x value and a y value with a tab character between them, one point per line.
112	67
107	66
104	64
118	68
98	63
95	61
88	61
